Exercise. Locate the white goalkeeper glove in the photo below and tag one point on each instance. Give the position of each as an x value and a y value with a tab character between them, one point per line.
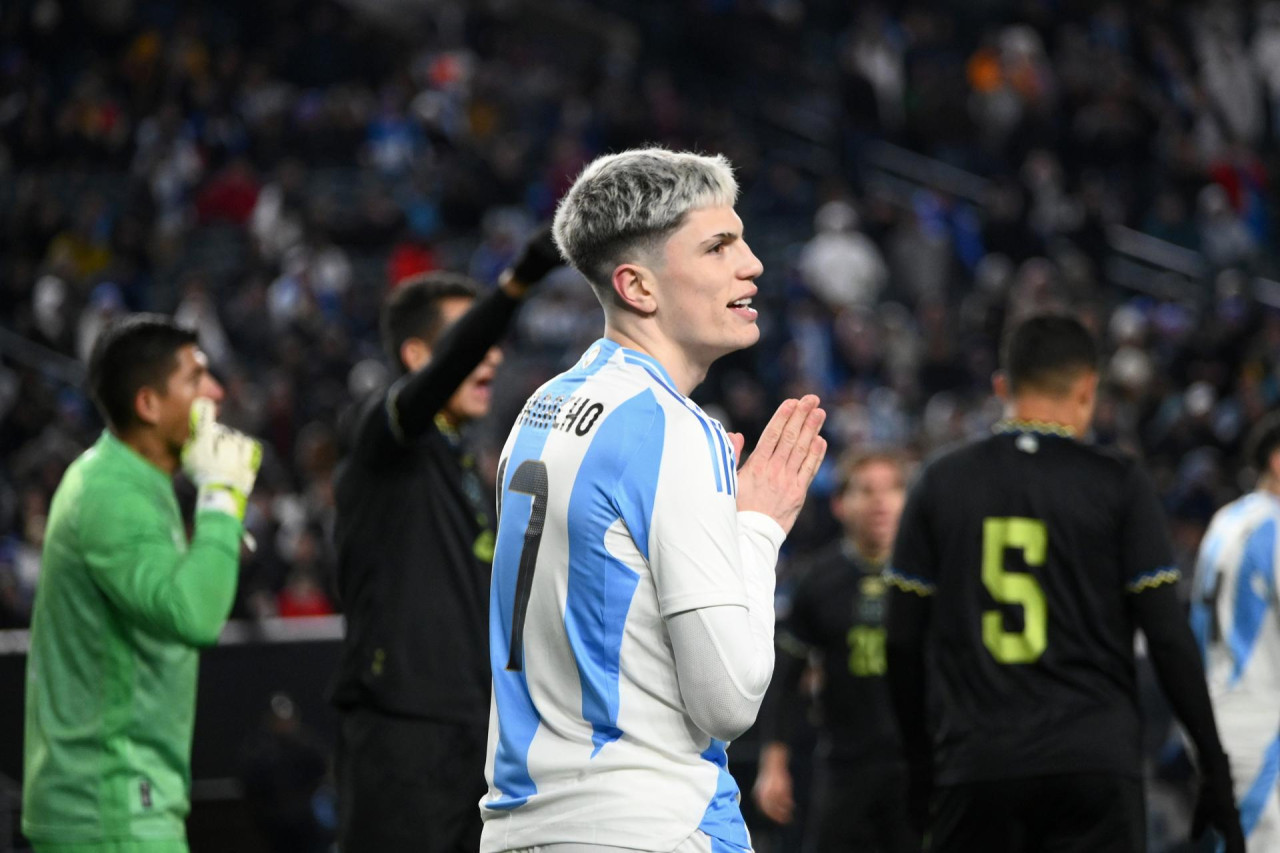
221	461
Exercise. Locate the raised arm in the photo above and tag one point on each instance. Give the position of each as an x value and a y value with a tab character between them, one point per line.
411	404
139	561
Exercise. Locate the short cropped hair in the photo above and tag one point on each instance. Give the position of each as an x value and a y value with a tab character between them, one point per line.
1047	352
413	309
1263	440
853	461
626	205
134	352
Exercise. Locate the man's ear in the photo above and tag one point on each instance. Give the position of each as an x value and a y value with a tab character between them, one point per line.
1273	464
633	287
414	353
146	405
837	506
1000	385
1087	390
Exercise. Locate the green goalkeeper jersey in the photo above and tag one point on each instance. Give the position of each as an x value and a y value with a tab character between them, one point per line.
122	604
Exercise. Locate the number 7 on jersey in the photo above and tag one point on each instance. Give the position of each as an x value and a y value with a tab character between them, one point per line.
529	479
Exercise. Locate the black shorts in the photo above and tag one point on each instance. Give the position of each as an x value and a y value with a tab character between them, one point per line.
860	808
1071	813
407	784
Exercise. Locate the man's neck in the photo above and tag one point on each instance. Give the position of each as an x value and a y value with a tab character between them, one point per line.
685	371
868	552
150	447
1045	410
1269	484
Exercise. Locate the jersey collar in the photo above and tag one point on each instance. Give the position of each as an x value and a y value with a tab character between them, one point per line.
864	564
1017	425
632	356
112	446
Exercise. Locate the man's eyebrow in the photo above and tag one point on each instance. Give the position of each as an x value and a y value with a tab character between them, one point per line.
722	237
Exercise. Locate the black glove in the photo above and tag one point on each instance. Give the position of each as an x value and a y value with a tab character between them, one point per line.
1216	805
538	257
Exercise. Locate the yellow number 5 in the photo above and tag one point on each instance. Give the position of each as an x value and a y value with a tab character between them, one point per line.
1029	536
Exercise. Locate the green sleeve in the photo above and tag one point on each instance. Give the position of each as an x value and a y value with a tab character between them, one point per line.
132	547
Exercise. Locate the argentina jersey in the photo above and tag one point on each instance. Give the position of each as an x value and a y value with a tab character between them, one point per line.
1235	620
1233	612
617	509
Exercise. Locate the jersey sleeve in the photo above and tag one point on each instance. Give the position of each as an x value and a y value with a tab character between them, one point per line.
1146	551
694	550
134	557
914	565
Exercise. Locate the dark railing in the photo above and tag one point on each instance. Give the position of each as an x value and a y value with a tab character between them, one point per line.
252	662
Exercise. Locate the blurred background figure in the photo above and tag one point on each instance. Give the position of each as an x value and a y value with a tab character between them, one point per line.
1236	617
414	530
287	781
832	628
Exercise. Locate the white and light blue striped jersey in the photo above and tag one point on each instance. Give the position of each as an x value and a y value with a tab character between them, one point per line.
1236	619
617	508
1234	614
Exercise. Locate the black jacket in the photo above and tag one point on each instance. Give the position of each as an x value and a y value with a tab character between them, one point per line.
414	538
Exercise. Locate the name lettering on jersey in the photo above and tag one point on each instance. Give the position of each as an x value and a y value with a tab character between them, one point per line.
570	414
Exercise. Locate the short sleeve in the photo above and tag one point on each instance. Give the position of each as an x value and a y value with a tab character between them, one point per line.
914	566
1146	553
694	551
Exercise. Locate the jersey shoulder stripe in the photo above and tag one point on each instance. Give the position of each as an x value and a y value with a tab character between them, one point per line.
908	583
1154	578
718	445
1254	591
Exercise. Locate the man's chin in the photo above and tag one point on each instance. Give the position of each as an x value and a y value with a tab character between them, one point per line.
473	410
748	337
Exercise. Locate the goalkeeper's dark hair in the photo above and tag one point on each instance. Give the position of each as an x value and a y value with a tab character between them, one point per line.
134	352
413	309
1046	353
1263	441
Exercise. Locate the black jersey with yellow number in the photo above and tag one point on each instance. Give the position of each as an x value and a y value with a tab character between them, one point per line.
1029	545
837	614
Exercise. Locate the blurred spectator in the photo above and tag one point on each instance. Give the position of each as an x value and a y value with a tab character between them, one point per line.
284	769
842	267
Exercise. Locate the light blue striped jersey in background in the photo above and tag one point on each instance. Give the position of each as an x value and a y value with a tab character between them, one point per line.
1235	617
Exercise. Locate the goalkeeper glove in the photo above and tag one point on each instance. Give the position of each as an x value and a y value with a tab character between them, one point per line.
222	462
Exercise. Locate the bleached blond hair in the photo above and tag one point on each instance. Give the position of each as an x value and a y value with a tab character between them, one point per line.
623	207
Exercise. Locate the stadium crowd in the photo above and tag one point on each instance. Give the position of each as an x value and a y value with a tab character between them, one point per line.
267	170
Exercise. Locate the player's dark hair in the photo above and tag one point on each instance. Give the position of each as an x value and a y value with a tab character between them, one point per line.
853	461
413	309
135	352
1047	352
1264	440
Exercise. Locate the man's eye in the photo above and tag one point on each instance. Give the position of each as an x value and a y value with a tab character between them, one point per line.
717	248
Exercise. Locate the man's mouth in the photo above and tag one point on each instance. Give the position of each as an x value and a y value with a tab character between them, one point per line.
743	306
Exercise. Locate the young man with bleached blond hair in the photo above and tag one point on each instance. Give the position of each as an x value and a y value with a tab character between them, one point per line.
631	620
